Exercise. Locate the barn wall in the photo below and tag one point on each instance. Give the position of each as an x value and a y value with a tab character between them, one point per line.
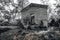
40	13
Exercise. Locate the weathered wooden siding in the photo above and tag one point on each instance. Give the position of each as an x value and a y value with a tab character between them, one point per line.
40	14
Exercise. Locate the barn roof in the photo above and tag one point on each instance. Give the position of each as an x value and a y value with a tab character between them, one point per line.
34	5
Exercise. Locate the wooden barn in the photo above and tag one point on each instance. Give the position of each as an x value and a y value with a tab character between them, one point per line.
38	10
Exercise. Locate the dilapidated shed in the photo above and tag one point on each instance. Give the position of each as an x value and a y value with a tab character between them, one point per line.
38	10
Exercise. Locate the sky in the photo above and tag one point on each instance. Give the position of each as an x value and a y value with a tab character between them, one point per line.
35	1
39	1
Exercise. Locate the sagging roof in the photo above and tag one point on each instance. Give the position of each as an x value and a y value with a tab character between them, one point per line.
34	5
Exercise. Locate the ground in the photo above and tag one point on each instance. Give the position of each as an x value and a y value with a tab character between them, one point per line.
52	33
